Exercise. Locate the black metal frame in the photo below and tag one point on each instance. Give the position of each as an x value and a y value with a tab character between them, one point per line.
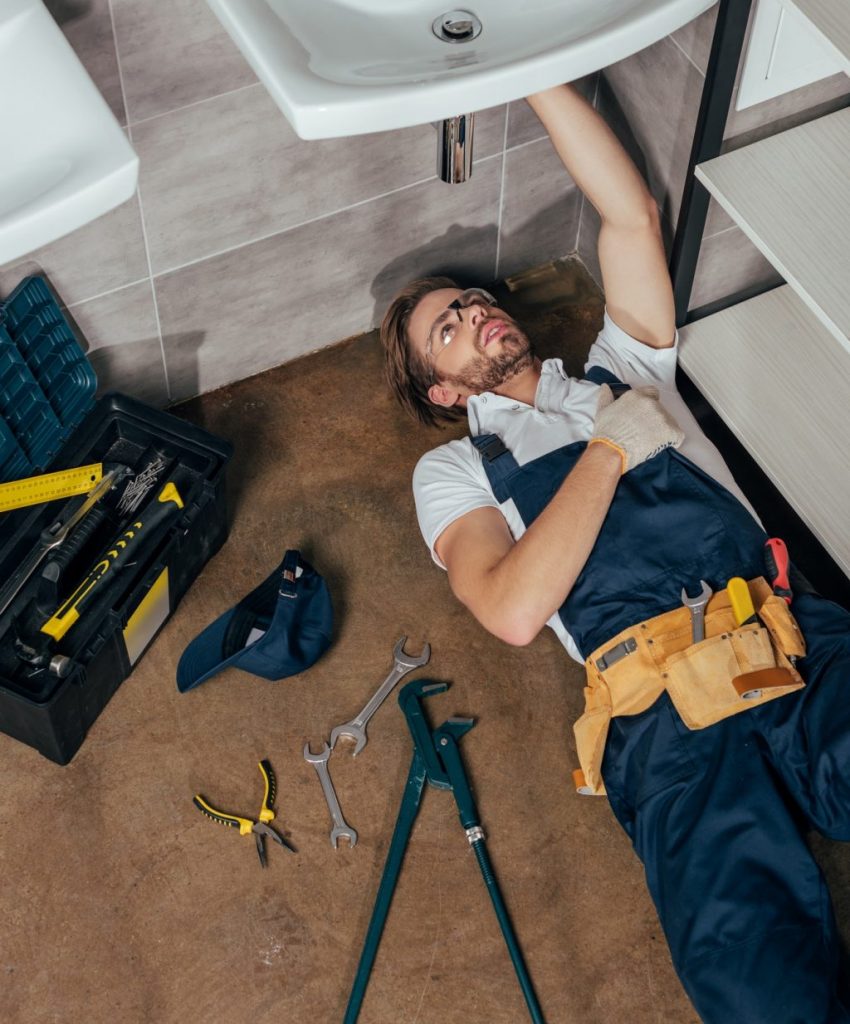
777	515
729	31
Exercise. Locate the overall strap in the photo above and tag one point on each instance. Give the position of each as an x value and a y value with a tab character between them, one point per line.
599	375
499	463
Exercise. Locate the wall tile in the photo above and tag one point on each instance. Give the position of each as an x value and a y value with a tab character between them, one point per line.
489	135
247	174
524	125
106	253
121	340
540	208
696	37
174	53
587	242
717	219
88	28
728	265
244	311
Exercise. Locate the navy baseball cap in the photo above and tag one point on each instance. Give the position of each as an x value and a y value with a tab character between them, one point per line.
280	629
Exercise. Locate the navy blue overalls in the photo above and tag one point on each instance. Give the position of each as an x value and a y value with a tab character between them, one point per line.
717	815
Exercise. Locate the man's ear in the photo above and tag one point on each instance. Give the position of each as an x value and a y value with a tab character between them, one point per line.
439	394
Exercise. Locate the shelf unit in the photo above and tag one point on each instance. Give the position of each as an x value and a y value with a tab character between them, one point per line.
776	367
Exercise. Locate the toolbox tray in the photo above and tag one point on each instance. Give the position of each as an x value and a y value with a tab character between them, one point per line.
50	713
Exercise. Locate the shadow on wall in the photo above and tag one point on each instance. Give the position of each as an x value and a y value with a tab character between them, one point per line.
455	254
468	255
64	12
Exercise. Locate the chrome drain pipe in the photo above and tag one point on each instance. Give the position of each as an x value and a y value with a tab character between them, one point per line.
454	148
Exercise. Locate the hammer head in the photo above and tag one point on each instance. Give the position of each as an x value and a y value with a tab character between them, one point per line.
410	701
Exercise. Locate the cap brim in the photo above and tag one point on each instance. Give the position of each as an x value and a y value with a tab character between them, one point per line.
203	657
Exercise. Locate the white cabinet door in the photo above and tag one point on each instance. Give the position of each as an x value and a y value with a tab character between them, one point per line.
784	52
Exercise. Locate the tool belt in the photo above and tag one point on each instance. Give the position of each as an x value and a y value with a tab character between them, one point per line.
733	669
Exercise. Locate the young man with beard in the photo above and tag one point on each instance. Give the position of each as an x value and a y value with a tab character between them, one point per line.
590	506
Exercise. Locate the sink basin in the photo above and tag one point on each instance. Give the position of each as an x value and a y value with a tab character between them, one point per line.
346	67
65	158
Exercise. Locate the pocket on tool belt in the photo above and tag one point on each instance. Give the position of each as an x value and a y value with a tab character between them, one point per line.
728	673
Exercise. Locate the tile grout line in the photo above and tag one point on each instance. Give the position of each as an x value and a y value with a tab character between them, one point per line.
261	238
304	223
686	55
195	103
109	291
141	207
501	194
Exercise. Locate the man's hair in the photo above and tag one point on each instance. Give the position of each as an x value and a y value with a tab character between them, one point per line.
408	373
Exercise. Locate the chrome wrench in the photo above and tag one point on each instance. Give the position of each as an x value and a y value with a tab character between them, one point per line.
403	663
320	763
696	606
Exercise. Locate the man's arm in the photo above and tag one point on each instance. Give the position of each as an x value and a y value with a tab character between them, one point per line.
513	589
635	278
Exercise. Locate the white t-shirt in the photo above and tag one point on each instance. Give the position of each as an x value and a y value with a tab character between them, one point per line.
451	480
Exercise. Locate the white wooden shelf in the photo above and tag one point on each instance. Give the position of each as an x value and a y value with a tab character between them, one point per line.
790	194
832	19
776	377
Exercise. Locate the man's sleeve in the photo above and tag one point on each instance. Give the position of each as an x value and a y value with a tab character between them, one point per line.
631	360
447	483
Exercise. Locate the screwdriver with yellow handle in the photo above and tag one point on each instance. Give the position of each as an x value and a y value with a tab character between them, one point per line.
36	646
742	603
248	826
123	550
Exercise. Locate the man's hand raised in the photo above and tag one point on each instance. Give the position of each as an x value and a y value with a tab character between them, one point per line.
636	424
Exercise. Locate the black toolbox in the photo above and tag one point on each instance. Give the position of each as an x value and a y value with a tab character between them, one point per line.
49	420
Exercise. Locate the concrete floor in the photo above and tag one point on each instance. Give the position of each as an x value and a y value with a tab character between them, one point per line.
123	903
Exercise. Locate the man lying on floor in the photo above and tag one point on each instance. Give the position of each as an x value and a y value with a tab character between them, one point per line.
588	505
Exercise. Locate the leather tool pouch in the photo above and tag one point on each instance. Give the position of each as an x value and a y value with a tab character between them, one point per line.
733	669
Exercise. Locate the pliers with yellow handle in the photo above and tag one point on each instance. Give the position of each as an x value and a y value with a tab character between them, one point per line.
247	826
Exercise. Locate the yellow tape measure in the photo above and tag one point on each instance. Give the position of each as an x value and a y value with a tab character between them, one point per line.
34	490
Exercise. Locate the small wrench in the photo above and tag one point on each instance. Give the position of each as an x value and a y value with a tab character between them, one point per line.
320	763
404	663
696	606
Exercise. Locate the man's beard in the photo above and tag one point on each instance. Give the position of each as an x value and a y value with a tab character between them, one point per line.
482	374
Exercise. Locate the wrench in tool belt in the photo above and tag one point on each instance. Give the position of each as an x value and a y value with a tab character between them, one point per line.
403	663
696	606
320	763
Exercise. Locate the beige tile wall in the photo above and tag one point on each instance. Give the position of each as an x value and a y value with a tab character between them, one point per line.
651	99
244	246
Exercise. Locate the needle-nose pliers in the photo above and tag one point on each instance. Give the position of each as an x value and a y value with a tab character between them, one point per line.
247	826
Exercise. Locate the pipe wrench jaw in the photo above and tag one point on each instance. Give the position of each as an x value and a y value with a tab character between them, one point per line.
410	702
454	727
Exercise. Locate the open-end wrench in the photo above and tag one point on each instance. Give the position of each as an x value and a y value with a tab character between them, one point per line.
320	763
696	606
403	663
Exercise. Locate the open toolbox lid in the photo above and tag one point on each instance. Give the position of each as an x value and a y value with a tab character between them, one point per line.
47	384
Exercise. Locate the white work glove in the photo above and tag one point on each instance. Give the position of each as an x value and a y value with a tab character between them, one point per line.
636	425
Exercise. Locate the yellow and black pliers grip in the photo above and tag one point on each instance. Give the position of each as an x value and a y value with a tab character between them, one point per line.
267	808
247	826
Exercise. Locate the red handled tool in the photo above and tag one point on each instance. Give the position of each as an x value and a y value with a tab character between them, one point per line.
777	563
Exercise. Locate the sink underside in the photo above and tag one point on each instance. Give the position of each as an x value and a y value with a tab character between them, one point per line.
65	160
346	67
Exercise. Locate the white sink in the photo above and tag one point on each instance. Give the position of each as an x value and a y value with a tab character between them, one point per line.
65	158
345	67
